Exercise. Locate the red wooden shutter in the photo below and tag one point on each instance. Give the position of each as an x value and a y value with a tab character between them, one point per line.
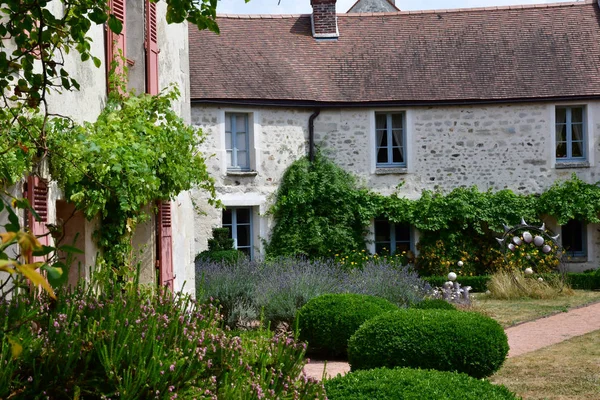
151	49
116	49
165	244
37	194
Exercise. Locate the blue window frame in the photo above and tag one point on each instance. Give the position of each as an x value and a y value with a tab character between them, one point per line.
390	139
237	141
392	238
574	238
239	222
570	134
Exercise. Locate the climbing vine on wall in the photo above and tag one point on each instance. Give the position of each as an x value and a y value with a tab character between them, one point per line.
139	150
320	211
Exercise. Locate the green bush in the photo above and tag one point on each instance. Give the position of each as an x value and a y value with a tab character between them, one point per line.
413	384
327	322
432	339
433	304
228	257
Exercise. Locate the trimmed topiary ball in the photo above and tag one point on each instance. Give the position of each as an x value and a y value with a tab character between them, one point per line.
434	304
408	383
327	322
432	339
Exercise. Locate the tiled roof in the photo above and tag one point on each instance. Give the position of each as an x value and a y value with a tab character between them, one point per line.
467	55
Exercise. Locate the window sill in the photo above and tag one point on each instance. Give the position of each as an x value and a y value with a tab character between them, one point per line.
391	170
242	173
576	259
571	164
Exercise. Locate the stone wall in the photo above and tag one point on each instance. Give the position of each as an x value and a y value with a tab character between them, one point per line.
491	146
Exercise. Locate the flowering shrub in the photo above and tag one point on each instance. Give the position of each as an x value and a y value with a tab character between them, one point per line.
358	259
137	345
279	288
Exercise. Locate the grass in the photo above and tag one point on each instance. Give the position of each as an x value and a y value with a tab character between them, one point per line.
513	312
568	370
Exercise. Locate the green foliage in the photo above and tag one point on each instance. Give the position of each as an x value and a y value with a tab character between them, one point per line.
571	199
319	210
431	339
135	344
434	304
220	240
412	384
327	322
137	151
220	249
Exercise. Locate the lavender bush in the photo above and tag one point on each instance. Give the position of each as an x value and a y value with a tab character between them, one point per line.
279	288
135	344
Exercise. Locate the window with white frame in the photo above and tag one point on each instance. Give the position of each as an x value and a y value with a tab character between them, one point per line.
237	141
570	133
239	222
392	238
390	136
574	238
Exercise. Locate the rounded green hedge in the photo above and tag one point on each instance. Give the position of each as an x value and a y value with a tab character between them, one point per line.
433	304
327	322
431	339
413	384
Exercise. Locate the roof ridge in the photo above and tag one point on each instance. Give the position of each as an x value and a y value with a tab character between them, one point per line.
439	11
475	9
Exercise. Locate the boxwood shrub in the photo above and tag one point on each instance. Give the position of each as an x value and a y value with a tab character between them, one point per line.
434	304
327	322
408	383
430	339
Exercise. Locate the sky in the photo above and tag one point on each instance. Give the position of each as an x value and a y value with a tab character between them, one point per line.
303	6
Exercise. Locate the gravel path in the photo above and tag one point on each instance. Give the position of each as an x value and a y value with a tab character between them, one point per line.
523	338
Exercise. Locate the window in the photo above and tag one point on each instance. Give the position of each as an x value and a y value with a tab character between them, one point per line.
391	140
570	134
392	238
237	140
574	238
239	222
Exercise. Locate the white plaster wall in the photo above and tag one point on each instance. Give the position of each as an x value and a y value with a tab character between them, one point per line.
493	147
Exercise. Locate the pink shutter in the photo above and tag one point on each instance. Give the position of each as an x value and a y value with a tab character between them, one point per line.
165	244
151	49
116	49
37	194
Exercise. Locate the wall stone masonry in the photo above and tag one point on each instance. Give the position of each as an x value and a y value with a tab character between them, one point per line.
490	146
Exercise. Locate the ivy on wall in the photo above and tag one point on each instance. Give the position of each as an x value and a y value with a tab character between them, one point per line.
320	210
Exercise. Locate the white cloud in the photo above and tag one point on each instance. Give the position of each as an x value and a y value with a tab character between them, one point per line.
303	6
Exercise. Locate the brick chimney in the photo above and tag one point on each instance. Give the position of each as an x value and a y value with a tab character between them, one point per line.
324	19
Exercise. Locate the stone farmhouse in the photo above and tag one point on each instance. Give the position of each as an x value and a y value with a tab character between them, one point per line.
498	97
156	56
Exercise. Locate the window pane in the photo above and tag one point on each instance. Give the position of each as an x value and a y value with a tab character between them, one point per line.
402	246
561	150
576	115
382	155
240	142
243	215
242	159
577	132
573	238
398	155
247	252
382	247
382	231
228	145
380	121
229	159
240	123
228	123
577	149
243	235
402	233
397	137
561	133
397	121
381	138
561	115
226	217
